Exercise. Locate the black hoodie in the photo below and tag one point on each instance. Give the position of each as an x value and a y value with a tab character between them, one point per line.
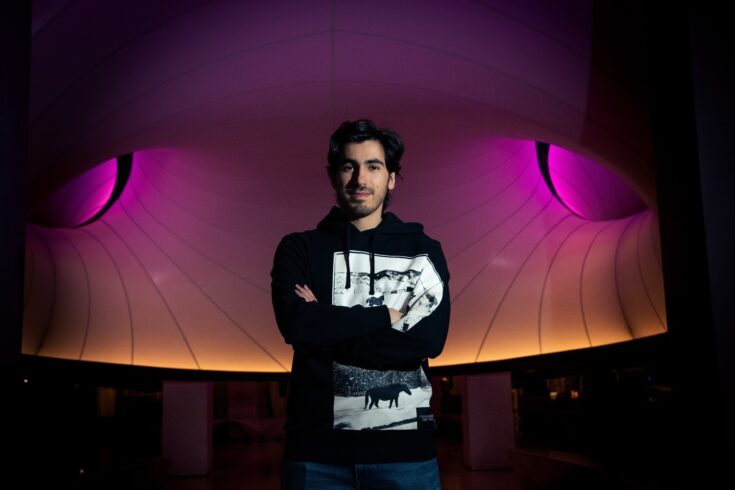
359	390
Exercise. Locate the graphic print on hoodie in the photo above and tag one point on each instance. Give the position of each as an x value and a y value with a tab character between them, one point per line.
368	399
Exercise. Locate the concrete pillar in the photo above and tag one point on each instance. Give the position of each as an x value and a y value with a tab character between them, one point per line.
487	415
187	426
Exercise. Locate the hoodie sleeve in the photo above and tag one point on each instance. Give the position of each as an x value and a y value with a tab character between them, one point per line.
398	349
314	324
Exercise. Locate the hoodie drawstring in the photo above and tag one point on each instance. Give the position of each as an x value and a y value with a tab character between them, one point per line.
389	224
372	262
347	255
372	258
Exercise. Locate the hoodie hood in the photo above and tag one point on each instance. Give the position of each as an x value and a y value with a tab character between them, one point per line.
389	225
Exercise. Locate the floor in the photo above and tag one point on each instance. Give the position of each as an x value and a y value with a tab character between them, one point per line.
256	465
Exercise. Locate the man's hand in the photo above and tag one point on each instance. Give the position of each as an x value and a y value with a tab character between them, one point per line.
395	315
306	293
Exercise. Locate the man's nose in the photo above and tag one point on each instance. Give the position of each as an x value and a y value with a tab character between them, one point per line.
359	176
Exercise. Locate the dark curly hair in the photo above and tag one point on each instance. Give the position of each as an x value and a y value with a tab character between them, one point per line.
363	130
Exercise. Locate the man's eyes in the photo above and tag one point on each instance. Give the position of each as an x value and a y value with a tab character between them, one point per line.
347	168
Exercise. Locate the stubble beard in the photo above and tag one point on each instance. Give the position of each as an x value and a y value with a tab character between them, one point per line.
357	210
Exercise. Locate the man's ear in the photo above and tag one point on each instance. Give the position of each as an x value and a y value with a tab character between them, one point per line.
331	178
391	181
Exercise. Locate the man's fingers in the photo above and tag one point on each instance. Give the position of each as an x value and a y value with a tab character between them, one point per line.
305	292
309	292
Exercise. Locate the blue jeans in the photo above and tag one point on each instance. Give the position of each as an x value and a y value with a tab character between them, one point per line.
305	475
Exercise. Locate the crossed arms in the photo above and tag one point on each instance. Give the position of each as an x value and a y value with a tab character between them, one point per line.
359	335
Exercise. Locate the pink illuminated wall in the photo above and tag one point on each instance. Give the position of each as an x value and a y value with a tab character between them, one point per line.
81	199
589	189
227	108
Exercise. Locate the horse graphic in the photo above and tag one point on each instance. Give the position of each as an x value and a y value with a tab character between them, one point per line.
373	301
389	392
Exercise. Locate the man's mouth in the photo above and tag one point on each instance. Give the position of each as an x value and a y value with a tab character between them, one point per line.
359	194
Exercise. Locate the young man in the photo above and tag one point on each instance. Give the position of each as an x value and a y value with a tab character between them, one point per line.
364	301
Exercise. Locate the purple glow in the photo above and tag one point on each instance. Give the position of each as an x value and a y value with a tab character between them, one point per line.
589	189
80	199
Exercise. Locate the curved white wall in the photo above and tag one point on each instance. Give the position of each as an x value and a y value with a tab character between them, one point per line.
228	107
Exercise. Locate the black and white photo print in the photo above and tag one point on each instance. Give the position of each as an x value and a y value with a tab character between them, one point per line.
368	399
408	284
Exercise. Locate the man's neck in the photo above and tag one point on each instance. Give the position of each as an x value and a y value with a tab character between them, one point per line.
362	225
367	222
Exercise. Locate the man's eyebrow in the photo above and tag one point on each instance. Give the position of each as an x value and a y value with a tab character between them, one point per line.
372	160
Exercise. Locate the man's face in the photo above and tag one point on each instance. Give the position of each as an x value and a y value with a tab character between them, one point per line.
362	179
